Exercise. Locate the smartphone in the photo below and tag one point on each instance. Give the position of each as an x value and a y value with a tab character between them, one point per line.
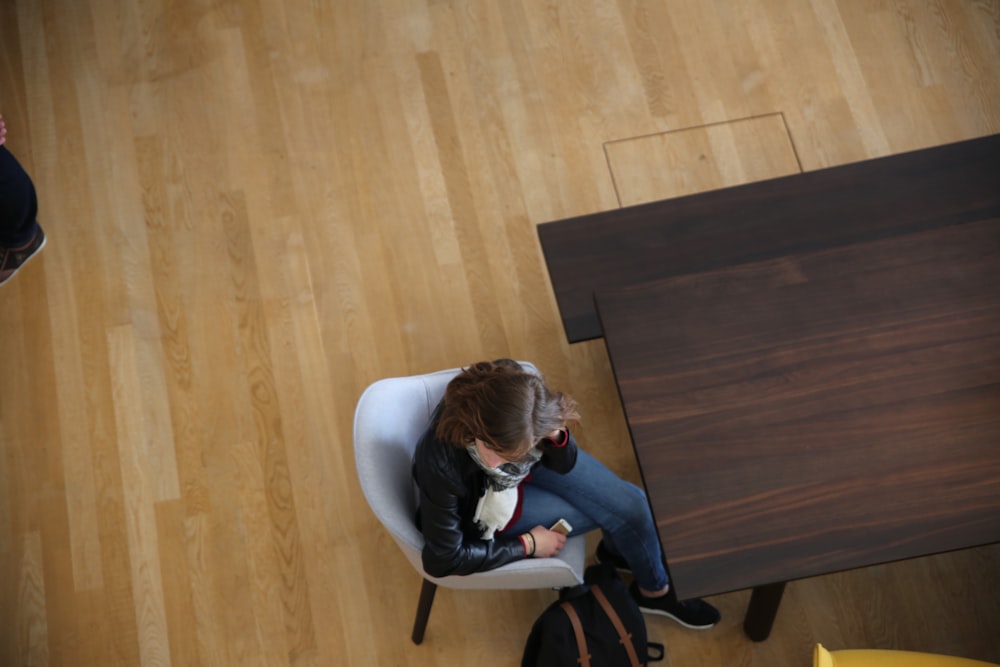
562	526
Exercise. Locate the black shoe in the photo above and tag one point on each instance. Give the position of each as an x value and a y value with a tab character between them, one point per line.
12	259
605	557
694	614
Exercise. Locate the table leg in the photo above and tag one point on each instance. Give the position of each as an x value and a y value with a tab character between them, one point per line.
761	611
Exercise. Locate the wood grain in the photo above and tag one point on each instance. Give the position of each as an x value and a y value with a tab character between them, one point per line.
256	208
844	418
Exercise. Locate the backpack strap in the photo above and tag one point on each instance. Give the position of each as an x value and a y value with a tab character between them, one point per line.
581	641
624	637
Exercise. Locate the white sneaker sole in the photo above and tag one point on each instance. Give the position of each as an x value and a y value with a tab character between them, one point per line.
660	612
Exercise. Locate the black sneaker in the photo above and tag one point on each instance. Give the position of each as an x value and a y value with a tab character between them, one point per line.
605	557
12	259
694	614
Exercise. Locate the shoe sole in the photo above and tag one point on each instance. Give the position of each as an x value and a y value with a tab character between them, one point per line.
45	239
657	612
660	612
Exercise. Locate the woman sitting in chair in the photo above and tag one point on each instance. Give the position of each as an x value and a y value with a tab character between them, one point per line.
497	465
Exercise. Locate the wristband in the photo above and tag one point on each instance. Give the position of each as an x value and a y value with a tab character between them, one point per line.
524	539
563	440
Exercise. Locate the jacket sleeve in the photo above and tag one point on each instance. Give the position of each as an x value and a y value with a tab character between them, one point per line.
560	457
447	549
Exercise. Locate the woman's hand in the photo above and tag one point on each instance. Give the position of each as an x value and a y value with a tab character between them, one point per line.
548	543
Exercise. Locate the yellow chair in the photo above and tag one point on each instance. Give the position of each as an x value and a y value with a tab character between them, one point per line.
882	658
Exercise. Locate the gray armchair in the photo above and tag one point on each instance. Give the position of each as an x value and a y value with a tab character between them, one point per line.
390	417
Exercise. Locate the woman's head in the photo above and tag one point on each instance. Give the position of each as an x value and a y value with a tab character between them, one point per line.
502	405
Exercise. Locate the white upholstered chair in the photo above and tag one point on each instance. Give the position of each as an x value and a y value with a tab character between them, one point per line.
390	417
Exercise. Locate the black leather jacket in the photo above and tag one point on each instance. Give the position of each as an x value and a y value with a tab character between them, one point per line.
450	487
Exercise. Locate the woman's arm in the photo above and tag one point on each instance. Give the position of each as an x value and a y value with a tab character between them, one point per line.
443	493
559	451
446	549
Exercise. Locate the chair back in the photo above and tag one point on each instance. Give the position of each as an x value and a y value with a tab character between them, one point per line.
391	416
888	658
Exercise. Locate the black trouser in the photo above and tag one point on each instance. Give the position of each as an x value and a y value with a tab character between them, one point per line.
18	202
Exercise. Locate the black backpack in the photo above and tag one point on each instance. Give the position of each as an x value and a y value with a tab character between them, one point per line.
586	625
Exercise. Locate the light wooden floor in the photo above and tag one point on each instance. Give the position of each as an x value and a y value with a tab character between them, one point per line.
255	208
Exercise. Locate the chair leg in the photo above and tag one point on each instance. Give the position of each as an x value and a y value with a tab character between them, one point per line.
427	592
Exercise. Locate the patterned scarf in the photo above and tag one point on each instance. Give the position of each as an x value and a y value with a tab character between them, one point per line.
506	475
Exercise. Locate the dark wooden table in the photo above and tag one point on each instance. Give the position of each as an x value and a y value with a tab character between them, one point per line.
816	413
853	203
809	367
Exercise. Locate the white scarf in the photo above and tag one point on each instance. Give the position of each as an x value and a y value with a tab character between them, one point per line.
495	510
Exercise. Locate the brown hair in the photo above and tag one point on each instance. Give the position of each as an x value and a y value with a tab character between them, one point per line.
505	406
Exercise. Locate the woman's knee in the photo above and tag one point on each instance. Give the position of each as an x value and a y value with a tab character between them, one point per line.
636	503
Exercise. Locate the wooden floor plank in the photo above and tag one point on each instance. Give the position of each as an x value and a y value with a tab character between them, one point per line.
710	157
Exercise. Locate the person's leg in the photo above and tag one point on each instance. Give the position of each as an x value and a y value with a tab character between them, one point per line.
18	203
21	237
616	506
590	497
540	507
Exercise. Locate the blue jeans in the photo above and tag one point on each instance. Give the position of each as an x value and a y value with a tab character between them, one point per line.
590	497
